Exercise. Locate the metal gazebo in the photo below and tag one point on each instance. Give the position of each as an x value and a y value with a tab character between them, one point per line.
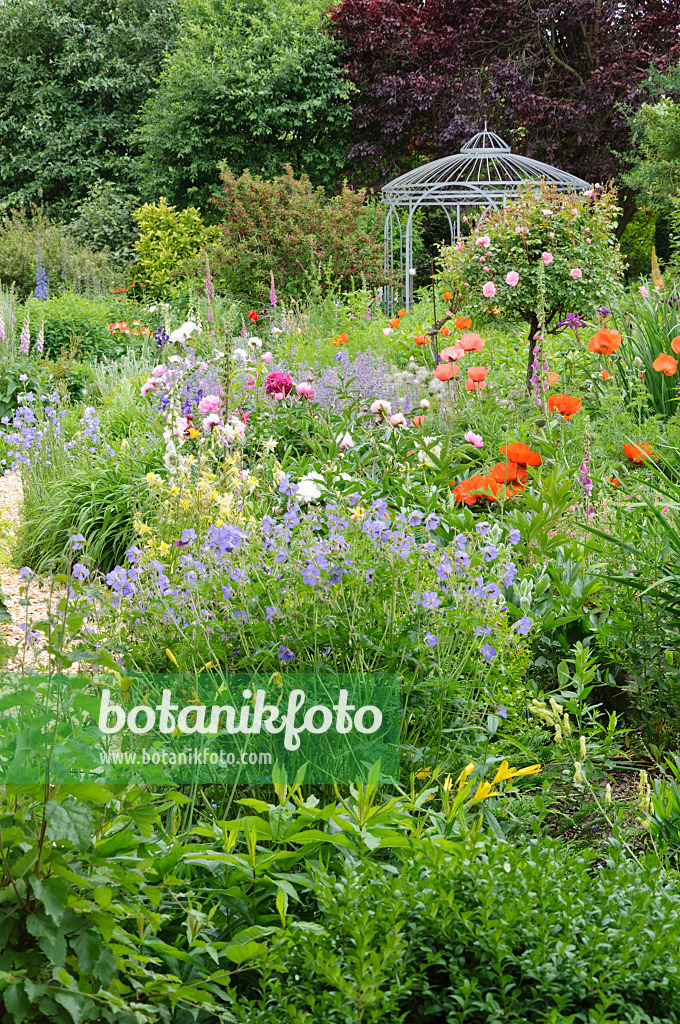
485	173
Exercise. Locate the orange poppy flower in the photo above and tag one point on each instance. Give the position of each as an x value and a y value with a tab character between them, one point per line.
136	323
606	375
421	339
675	345
463	322
125	330
113	327
446	296
477	373
446	371
553	378
445	331
639	452
394	322
122	325
145	330
467	491
614	482
605	342
473	385
472	343
567	405
401	312
504	472
665	364
521	453
135	332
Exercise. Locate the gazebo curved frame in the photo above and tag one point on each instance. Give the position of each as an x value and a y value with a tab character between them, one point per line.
485	173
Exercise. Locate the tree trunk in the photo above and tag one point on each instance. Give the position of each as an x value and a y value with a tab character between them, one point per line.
533	329
628	209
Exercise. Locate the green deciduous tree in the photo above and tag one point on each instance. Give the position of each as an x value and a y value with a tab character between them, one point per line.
257	83
73	74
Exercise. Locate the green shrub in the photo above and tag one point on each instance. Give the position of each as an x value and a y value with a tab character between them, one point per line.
636	244
68	265
290	229
167	236
484	934
104	221
76	324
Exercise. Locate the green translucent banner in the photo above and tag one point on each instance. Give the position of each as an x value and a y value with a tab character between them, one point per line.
207	729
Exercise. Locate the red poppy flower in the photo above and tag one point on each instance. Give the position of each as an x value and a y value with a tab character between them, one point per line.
252	315
606	375
504	472
521	453
567	405
614	482
394	322
467	491
421	339
639	452
445	331
401	312
605	342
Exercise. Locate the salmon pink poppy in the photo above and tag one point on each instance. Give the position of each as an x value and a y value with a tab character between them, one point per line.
463	322
418	421
605	342
521	453
472	343
446	371
566	405
639	452
675	345
553	378
452	353
473	385
665	364
478	373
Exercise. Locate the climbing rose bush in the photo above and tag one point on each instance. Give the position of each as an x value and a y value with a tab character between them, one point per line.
563	244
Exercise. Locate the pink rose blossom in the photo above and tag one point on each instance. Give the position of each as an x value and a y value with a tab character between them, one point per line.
489	290
512	278
484	240
547	258
474	439
576	273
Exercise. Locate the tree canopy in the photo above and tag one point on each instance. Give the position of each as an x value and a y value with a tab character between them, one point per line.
256	83
560	80
73	74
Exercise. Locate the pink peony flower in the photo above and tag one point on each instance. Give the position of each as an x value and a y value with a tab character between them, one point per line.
278	384
305	390
210	403
345	440
266	357
576	273
643	292
547	258
381	407
398	420
512	278
489	290
150	385
211	421
159	370
473	439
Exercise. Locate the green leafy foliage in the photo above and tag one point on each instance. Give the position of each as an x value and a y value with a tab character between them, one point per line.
258	84
104	220
288	228
167	236
68	265
73	74
470	934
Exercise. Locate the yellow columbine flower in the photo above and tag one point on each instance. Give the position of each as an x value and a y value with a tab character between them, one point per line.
464	776
163	547
484	791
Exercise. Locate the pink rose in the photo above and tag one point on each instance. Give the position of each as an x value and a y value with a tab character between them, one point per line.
266	357
512	278
547	258
484	240
489	290
576	273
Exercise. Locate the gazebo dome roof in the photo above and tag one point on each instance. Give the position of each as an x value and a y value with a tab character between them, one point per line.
484	171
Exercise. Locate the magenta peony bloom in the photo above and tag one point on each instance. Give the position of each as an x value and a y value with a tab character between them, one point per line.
278	384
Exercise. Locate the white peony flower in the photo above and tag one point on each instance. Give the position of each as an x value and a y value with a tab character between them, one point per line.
184	332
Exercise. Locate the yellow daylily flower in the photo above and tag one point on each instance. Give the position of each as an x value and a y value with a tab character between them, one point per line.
424	773
503	773
533	769
464	776
484	791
